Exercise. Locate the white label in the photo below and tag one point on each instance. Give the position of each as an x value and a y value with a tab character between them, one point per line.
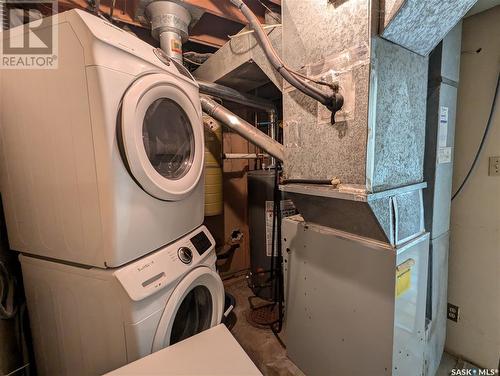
444	155
287	209
443	127
443	114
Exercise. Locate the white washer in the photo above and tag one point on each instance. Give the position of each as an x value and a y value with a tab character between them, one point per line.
102	157
89	321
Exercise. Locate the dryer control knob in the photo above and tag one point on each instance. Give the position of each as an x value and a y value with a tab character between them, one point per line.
185	255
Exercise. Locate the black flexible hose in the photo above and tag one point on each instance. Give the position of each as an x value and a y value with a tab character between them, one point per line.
332	101
481	145
280	279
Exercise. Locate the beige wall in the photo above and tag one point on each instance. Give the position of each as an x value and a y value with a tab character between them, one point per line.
474	274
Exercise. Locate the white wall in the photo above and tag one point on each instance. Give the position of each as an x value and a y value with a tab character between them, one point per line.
474	274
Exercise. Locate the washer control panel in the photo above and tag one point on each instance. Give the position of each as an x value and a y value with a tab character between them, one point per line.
201	242
165	266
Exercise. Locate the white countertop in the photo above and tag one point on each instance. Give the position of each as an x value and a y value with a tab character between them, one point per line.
213	352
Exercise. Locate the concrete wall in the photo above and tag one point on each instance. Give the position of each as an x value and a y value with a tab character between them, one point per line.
475	238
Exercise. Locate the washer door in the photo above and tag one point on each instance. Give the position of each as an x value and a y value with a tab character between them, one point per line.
196	304
162	137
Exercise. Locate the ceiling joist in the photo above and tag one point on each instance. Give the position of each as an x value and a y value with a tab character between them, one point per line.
220	18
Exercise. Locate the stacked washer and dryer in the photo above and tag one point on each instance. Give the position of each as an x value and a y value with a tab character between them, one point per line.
102	187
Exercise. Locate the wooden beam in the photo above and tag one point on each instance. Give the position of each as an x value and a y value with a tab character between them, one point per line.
119	13
224	9
213	31
221	18
207	40
125	9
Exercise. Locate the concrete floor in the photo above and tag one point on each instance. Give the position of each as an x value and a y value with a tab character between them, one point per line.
449	362
265	350
260	344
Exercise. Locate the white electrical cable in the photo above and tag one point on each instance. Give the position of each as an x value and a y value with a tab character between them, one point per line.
18	369
8	308
265	27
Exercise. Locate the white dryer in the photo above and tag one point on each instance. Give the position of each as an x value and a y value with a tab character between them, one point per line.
88	321
102	157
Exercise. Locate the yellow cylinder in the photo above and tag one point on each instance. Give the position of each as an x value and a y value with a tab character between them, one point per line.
214	203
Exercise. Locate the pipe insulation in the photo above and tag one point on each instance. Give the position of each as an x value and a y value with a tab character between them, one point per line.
243	128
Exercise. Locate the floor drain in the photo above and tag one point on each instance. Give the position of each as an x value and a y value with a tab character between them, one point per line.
263	316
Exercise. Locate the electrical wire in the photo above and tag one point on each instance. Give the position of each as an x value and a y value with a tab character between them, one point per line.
285	66
483	140
8	307
271	13
265	27
112	10
191	61
18	369
277	257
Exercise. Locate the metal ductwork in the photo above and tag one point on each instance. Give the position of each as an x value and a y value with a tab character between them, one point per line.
169	24
242	127
229	94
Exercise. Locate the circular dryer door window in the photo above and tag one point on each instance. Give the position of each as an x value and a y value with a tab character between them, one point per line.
169	147
162	137
193	316
196	304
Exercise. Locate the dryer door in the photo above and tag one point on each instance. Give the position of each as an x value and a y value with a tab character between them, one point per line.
162	137
196	304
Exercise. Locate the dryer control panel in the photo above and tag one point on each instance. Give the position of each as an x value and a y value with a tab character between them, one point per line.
167	265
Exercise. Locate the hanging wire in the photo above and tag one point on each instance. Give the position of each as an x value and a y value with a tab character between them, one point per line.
4	16
271	13
483	140
265	27
112	10
8	306
191	61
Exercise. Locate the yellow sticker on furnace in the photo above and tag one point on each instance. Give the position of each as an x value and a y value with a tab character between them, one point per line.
403	277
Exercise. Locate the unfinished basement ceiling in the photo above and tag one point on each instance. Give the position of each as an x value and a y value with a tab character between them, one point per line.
216	19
